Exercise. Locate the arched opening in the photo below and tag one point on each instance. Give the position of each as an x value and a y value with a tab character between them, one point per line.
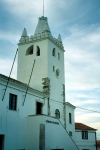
57	114
29	50
53	52
38	51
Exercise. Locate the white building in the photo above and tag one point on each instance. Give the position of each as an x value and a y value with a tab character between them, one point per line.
33	112
85	137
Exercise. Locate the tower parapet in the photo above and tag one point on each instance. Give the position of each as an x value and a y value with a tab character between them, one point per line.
40	36
42	31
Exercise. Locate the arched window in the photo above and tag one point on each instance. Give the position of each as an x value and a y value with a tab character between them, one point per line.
29	50
58	56
38	51
57	113
53	52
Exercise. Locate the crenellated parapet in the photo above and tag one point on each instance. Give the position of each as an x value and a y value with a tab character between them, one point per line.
42	32
41	36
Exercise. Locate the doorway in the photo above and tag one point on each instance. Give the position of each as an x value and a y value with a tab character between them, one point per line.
1	141
39	108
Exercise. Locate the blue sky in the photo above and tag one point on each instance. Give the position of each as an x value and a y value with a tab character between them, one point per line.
78	22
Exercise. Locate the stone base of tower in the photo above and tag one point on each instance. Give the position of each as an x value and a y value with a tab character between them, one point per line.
47	133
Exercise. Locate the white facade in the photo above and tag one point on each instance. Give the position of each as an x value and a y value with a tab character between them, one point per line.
23	128
85	139
48	64
70	120
33	112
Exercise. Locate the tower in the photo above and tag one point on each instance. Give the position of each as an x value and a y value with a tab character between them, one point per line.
48	71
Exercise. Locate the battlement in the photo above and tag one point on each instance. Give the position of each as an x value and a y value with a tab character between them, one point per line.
40	36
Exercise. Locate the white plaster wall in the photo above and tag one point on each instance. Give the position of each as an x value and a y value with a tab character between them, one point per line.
55	105
25	63
56	82
70	126
43	68
13	124
85	144
55	134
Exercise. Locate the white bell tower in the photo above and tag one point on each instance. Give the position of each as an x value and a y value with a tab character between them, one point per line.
48	71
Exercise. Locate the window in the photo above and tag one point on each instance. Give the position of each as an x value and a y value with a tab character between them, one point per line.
58	56
53	68
70	133
84	134
39	108
12	101
57	149
38	51
57	113
29	50
1	141
53	52
70	118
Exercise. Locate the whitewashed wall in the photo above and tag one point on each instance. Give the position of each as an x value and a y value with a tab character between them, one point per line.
13	124
55	134
89	143
70	126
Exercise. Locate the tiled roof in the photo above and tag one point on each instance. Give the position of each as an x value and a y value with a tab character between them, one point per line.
82	126
98	143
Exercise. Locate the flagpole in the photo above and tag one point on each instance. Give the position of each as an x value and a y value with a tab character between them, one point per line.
43	7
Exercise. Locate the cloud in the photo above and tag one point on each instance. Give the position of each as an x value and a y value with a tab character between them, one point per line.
18	7
5	67
9	36
82	63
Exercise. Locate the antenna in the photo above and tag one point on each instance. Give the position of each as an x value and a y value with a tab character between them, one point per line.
43	7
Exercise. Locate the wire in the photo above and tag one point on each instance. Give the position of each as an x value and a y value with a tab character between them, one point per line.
9	75
88	109
77	106
29	82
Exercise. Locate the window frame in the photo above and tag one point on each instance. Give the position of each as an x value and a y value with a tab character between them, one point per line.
30	50
70	118
58	56
54	52
85	135
12	102
53	68
38	51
